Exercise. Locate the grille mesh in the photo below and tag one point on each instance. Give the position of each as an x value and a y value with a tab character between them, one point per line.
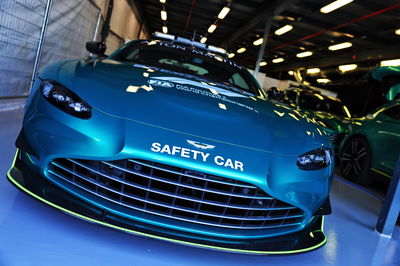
178	193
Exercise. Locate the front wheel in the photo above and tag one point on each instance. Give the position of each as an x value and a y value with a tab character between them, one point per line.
355	161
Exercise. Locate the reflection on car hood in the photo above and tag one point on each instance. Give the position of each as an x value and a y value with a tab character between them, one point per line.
178	102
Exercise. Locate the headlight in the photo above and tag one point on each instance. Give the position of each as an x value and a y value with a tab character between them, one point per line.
316	159
65	99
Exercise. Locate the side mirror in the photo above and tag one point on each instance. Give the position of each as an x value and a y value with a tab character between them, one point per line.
97	48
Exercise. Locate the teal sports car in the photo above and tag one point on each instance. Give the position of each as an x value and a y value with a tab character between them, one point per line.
167	138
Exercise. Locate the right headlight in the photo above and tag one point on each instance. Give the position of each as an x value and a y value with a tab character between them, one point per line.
65	99
315	159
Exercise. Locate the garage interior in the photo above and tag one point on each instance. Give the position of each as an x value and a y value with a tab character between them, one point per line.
283	43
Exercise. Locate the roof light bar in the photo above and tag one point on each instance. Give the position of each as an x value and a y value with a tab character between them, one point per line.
212	28
163	15
340	46
241	50
313	70
216	49
393	62
224	11
334	5
304	54
164	36
284	29
278	60
349	67
258	41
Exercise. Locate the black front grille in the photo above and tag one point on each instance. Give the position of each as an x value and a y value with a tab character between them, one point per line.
178	193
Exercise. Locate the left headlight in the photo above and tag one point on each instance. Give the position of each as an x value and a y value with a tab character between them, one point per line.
65	99
315	159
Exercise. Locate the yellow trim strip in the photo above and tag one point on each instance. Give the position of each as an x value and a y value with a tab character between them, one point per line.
380	172
155	236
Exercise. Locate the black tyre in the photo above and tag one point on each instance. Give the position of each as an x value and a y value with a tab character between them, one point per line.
355	161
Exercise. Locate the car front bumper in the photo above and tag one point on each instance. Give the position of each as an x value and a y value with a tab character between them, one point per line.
31	181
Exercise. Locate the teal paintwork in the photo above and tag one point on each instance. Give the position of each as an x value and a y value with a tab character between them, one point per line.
132	110
383	135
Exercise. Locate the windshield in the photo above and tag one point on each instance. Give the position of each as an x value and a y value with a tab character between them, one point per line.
318	102
183	59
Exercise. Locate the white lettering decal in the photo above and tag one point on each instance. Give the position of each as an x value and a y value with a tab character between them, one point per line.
185	153
166	149
219	160
239	166
156	147
204	155
175	150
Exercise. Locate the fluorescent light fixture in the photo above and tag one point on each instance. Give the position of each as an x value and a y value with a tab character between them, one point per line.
394	62
165	29
323	80
397	31
334	5
304	54
230	55
340	46
222	14
212	28
203	39
278	60
284	29
258	42
241	50
306	83
163	15
263	63
291	73
163	1
313	70
345	68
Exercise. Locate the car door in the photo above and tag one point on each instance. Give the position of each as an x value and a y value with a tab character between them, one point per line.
385	139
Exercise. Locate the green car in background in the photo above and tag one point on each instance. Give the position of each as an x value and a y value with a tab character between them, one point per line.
328	112
373	144
374	141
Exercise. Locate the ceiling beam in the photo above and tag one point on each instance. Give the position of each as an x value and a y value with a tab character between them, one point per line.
273	9
382	53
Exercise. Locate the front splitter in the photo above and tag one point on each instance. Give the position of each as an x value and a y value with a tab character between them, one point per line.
308	239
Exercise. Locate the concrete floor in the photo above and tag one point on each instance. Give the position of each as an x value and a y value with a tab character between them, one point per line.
34	234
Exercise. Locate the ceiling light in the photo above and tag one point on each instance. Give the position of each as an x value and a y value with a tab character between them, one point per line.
278	60
163	15
230	55
394	62
340	46
345	68
203	39
222	14
307	83
334	5
291	73
397	32
304	54
163	1
263	63
323	80
212	28
284	29
241	50
313	70
258	42
165	29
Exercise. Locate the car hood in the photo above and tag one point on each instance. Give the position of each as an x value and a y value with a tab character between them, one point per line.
187	104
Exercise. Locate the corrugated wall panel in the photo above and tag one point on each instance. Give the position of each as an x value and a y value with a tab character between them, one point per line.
20	24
